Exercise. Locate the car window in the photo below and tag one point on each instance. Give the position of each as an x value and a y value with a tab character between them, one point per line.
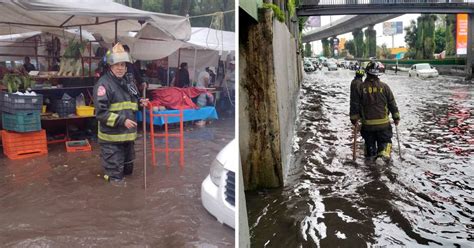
424	66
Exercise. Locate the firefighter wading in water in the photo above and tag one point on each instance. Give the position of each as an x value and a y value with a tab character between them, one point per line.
116	101
371	101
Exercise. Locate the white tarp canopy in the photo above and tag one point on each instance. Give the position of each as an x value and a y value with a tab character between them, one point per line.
96	16
209	42
208	38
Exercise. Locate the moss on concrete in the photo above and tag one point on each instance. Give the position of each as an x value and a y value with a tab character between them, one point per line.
262	164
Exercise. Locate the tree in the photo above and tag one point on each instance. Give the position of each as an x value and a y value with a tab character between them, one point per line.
350	47
420	37
410	39
195	9
383	52
307	50
440	39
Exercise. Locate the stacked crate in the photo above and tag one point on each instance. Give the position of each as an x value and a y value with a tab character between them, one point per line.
21	119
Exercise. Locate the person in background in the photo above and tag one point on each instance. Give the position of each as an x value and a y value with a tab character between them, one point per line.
227	96
27	65
183	76
134	74
372	101
202	83
116	101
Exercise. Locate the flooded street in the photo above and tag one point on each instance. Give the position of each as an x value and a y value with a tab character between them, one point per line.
60	200
424	200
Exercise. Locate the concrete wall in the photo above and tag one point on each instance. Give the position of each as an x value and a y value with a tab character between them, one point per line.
268	86
287	86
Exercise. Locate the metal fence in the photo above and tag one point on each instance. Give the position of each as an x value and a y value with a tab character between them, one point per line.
360	2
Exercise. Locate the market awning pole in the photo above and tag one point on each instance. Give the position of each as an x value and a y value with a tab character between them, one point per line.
176	77
194	65
116	24
36	54
90	58
82	59
144	138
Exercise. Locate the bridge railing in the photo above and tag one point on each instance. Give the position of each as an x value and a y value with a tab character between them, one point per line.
360	2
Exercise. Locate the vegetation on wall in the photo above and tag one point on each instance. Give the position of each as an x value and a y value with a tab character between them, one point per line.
370	42
451	34
277	12
359	43
326	48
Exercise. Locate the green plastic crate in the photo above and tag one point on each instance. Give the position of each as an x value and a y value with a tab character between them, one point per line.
21	122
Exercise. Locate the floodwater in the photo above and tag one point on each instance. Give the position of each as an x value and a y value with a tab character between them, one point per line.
59	200
424	200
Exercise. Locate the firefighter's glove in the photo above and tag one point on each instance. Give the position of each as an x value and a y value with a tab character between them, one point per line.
354	122
145	102
396	122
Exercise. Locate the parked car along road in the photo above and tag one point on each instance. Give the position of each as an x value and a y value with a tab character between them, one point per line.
332	66
218	189
308	66
423	70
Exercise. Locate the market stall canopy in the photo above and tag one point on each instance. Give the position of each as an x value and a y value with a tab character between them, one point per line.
16	46
208	38
144	46
96	16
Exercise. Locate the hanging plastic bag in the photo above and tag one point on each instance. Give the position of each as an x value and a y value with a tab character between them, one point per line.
80	100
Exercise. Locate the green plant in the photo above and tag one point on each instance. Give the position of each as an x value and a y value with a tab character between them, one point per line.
291	7
16	82
276	11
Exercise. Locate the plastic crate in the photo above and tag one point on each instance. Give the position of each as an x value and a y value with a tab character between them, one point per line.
78	146
22	122
85	111
24	145
65	107
13	103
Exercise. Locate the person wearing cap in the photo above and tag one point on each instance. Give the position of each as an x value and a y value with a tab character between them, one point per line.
371	102
116	100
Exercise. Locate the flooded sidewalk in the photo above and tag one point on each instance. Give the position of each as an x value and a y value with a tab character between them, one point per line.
61	200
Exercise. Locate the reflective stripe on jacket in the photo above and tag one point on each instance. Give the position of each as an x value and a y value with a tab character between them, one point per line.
113	107
372	101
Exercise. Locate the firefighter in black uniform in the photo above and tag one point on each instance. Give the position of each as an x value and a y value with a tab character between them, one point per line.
372	101
116	101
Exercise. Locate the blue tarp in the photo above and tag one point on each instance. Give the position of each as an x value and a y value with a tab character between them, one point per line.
189	115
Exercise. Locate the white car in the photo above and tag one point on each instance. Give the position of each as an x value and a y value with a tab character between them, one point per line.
218	189
424	70
332	66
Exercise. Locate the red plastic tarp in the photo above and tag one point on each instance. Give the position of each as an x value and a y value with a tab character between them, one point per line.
176	98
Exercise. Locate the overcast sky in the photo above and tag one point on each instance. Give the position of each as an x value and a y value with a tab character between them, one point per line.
399	39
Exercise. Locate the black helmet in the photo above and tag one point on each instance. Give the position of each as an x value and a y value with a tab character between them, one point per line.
360	73
373	68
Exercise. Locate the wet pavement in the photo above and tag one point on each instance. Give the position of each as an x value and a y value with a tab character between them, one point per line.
424	200
60	200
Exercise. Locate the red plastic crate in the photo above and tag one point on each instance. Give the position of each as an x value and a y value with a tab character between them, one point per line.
73	146
24	145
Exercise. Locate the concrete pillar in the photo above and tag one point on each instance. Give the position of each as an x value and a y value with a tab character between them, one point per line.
470	47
